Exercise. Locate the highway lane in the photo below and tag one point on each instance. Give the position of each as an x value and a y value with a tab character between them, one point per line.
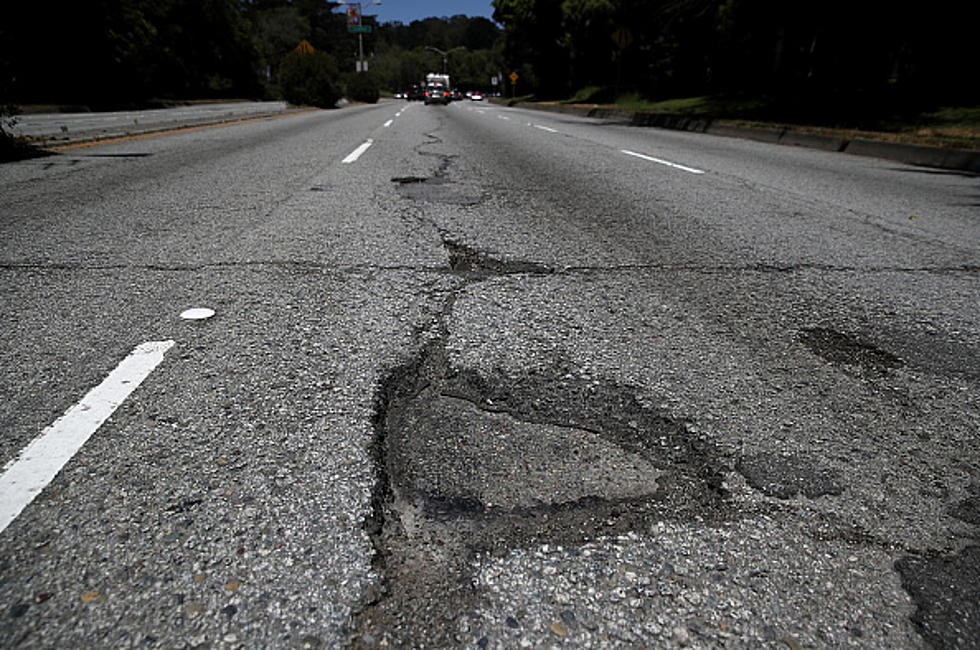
491	381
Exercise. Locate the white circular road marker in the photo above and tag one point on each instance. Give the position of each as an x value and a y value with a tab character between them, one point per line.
197	313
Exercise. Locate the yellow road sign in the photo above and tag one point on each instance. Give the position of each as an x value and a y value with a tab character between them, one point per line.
513	77
622	37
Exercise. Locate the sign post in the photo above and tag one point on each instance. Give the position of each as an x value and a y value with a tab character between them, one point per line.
513	84
354	26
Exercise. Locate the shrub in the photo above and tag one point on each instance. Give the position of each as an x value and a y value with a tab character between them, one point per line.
363	87
310	79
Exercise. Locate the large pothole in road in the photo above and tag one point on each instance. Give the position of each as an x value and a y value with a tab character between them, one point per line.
473	463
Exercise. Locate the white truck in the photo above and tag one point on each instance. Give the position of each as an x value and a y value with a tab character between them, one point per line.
437	89
433	79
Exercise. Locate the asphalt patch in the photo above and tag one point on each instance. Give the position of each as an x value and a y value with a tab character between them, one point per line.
946	591
844	349
438	189
785	476
471	464
968	509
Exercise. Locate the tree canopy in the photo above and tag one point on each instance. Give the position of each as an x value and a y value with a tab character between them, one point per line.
869	52
118	53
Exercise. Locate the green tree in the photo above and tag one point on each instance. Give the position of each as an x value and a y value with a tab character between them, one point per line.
588	27
310	79
363	87
534	36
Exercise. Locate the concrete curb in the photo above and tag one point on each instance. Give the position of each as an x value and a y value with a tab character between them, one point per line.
961	159
56	142
967	160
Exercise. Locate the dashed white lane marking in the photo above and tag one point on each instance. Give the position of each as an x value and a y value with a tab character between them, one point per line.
662	162
545	128
388	123
354	155
197	313
40	461
503	117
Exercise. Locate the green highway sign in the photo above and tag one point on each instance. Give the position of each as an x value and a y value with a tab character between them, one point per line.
359	29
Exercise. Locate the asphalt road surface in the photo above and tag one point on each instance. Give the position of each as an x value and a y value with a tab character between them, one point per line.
485	377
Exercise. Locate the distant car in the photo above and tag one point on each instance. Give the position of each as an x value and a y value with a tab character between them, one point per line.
415	93
436	95
400	95
476	96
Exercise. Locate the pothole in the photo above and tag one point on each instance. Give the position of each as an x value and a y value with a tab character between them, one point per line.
472	463
438	188
474	265
844	349
407	180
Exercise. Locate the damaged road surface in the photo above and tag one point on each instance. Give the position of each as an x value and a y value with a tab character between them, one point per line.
492	380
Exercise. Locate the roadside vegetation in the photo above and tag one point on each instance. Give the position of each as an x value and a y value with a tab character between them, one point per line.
957	127
850	67
12	148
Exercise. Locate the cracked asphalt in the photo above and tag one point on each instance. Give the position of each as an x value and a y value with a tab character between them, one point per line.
492	385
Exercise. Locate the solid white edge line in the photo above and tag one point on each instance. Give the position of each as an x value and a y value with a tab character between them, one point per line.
40	461
661	162
354	155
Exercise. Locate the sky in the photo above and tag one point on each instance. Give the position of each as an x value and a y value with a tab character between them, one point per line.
408	10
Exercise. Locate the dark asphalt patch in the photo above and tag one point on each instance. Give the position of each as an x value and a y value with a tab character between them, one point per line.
968	509
844	349
117	155
946	591
785	476
437	189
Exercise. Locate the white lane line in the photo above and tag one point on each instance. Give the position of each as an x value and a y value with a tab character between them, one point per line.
40	461
388	123
503	117
545	128
662	162
354	155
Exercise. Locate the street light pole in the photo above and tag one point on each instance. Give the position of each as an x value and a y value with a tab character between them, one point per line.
445	55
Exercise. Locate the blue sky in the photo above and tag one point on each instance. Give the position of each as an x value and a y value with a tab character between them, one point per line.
408	10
